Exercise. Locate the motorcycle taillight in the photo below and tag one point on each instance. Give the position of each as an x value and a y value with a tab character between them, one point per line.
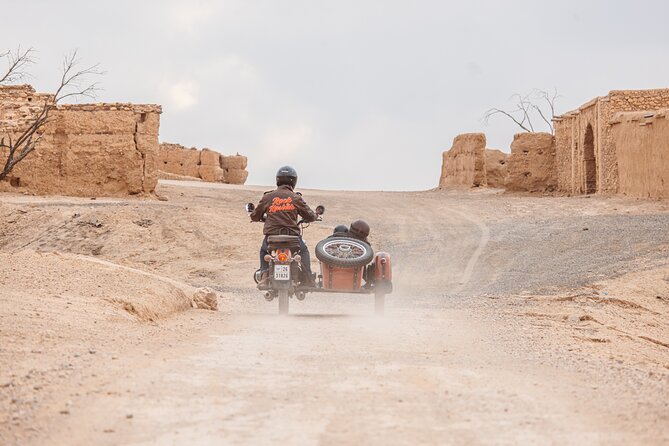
283	255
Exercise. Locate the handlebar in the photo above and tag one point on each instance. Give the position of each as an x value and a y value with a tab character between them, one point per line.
302	222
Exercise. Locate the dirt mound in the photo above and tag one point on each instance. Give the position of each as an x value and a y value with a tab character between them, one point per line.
89	285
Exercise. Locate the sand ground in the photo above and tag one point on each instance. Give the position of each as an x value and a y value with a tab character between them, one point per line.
515	320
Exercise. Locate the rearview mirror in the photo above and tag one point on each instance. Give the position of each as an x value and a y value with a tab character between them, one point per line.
250	207
320	209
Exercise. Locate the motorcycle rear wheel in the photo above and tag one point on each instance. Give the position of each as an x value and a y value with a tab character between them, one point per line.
283	301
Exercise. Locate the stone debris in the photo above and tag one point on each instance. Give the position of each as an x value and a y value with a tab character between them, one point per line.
205	298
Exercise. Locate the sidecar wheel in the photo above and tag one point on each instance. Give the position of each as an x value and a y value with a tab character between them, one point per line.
283	301
344	252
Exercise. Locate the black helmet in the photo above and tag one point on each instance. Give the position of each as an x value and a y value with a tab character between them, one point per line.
359	229
340	229
286	175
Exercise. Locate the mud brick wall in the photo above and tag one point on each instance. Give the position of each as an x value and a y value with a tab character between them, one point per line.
586	157
464	165
532	163
86	149
564	129
204	164
496	167
642	145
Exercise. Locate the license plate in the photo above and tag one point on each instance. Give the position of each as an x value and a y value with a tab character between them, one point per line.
281	272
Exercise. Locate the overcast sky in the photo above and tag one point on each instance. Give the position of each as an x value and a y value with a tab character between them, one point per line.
354	94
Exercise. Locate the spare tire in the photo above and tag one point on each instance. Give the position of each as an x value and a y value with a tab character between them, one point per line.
344	252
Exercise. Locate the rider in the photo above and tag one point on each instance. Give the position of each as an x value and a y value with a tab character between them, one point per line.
281	208
359	229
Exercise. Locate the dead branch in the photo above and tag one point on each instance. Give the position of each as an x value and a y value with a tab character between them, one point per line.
72	85
16	62
537	103
494	111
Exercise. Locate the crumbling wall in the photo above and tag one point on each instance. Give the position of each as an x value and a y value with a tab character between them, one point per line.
564	154
573	161
234	167
532	163
496	168
178	160
18	105
204	164
86	149
464	165
210	167
642	145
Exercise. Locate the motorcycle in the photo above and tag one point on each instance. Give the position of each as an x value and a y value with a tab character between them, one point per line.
344	263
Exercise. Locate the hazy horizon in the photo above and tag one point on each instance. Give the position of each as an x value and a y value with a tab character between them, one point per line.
355	95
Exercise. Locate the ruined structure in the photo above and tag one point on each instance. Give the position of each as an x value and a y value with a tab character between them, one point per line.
496	166
586	156
86	149
469	164
179	162
532	163
641	142
464	164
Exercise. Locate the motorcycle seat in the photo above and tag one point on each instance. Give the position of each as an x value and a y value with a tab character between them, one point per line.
283	241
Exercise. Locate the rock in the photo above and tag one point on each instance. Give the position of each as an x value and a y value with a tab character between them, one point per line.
144	222
205	298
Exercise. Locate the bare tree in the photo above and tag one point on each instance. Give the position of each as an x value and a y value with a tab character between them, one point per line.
537	104
16	63
16	145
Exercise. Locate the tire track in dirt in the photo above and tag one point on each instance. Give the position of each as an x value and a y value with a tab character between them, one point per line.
483	241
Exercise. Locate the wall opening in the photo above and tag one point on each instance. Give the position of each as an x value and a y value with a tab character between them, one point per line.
590	164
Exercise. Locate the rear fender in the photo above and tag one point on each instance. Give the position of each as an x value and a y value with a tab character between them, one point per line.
383	269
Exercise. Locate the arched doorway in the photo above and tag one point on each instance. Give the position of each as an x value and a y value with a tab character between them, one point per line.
589	162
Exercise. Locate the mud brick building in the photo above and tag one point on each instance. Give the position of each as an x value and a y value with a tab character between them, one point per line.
586	156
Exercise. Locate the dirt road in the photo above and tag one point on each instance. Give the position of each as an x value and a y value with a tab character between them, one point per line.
514	320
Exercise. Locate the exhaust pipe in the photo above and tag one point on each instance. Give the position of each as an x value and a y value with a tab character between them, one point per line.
268	296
